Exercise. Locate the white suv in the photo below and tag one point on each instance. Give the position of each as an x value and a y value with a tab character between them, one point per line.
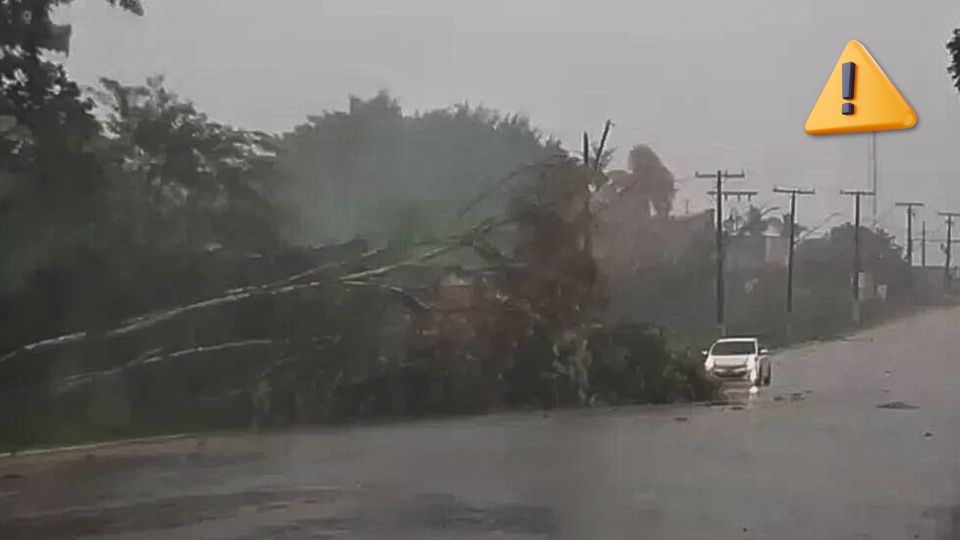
740	357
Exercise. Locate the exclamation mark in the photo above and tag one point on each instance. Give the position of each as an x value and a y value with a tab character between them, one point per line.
849	78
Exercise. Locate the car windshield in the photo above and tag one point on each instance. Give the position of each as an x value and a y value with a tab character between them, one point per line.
728	348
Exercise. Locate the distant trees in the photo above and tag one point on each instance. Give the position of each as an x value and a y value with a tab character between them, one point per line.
182	181
953	47
825	263
375	172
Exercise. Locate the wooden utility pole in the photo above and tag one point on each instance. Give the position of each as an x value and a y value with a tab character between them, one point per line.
720	177
855	281
586	149
793	192
909	206
923	244
950	216
874	183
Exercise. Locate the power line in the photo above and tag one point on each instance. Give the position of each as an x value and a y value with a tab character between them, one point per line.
880	219
820	225
923	245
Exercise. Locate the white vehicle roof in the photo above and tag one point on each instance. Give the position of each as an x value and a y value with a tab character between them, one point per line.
729	339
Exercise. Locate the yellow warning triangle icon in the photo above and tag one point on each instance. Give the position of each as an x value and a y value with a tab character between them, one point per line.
858	97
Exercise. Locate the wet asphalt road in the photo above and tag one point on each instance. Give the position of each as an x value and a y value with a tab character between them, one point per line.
812	456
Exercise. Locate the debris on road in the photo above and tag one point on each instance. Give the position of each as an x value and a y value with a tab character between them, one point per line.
928	435
902	405
681	419
718	403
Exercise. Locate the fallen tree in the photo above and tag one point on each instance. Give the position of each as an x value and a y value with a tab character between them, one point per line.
345	338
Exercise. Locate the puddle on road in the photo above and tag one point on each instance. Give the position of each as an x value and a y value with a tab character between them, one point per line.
740	397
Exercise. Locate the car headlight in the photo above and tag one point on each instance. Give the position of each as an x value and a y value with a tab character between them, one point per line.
708	365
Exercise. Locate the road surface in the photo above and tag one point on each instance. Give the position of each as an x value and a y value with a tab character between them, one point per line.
812	456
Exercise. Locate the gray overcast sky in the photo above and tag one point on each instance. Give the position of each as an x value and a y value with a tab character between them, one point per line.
706	83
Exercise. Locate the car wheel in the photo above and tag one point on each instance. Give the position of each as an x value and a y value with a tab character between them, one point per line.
766	378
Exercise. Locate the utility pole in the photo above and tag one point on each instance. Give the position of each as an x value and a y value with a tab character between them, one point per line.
923	244
720	177
793	192
855	282
586	149
909	206
950	216
874	187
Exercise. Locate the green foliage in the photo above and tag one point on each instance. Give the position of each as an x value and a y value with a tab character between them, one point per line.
182	181
554	242
633	363
369	171
51	183
26	28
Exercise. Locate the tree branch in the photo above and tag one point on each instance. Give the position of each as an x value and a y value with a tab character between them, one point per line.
280	288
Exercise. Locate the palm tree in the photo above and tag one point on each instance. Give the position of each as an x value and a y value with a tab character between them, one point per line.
648	181
756	222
